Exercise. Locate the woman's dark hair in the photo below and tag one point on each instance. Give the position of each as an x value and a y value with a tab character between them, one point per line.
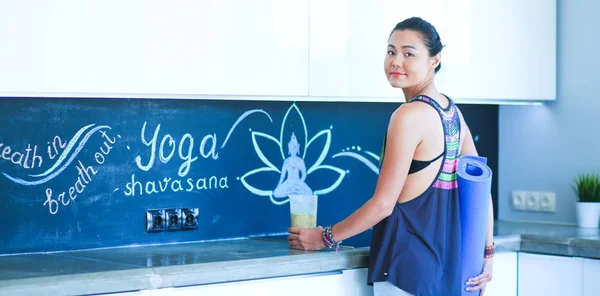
429	35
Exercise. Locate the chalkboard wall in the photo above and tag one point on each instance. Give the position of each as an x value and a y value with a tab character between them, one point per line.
81	173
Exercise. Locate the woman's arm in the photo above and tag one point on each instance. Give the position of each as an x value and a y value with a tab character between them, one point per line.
403	137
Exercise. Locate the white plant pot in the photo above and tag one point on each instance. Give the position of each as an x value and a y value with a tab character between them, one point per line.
588	214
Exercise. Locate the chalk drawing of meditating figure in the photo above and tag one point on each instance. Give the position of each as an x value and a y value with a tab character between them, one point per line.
295	170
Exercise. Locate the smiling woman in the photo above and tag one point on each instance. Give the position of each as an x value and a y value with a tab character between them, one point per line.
414	211
404	65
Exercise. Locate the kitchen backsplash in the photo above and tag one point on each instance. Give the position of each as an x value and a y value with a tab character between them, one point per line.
82	173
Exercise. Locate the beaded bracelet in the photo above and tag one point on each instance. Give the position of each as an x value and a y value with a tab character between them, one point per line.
329	240
489	251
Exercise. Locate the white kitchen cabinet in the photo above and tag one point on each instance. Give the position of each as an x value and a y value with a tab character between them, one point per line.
269	49
147	47
131	293
591	277
314	284
348	40
357	278
545	275
352	282
504	281
487	55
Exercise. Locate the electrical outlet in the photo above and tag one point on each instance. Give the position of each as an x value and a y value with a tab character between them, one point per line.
532	201
518	200
173	219
547	202
155	220
189	218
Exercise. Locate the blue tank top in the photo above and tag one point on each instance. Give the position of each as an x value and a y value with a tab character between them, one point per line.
417	247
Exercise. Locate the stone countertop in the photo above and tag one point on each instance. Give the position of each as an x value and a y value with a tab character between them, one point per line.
172	265
561	240
153	267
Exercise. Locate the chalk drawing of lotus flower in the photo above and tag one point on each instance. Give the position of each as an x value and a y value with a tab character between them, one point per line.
293	171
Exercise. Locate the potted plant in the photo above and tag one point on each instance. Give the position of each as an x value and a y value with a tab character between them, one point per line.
587	187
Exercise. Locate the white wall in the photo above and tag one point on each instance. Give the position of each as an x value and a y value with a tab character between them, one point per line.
543	148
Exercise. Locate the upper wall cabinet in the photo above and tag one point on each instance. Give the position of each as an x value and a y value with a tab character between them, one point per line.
182	47
494	50
285	49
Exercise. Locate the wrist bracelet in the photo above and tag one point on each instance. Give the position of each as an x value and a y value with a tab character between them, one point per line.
329	240
489	251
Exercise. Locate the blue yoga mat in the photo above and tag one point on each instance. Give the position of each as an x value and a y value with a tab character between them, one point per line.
474	187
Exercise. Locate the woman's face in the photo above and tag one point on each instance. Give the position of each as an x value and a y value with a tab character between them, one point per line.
407	62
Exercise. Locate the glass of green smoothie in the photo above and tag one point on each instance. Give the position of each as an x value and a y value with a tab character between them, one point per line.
303	210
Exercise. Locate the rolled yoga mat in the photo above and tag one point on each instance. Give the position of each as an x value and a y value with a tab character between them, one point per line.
474	188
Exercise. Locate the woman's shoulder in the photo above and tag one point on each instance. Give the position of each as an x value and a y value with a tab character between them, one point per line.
414	112
412	120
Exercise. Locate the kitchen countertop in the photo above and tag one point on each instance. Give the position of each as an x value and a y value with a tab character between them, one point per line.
171	265
561	240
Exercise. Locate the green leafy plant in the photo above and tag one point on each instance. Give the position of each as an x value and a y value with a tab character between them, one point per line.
587	187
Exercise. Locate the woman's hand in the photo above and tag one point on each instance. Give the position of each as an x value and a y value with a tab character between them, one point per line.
480	282
306	238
